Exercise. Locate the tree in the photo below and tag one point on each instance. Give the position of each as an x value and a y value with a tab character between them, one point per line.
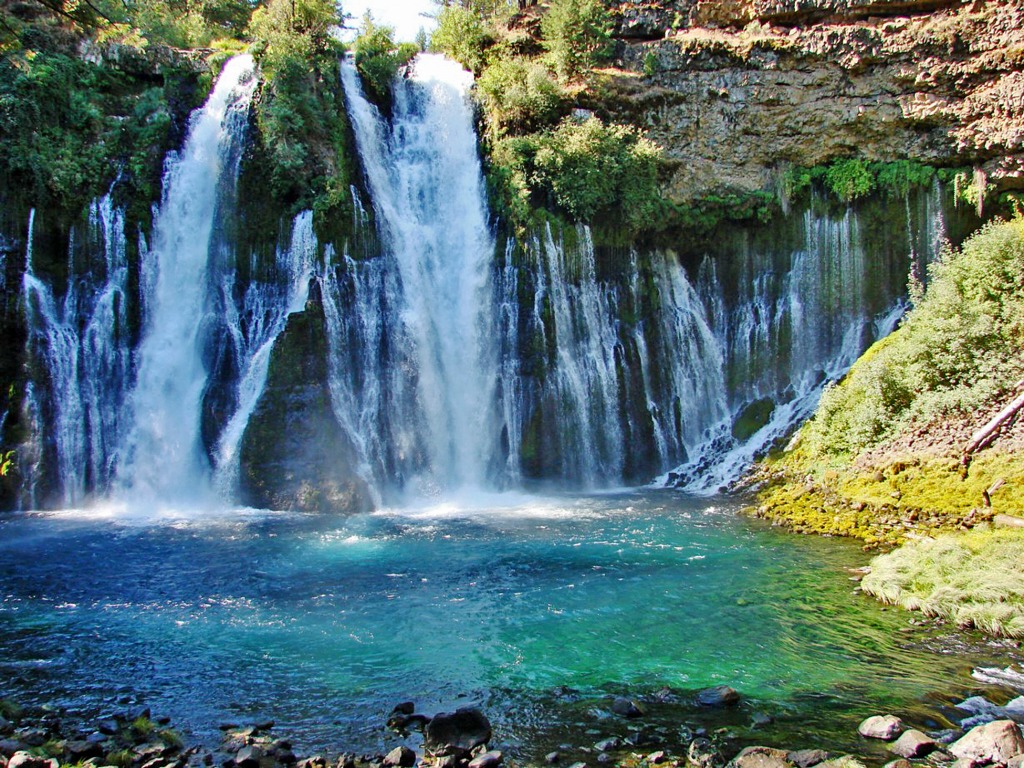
577	35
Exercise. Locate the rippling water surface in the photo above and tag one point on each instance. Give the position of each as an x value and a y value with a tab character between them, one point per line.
324	623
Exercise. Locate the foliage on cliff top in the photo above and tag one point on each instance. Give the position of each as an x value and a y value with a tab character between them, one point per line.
378	59
972	579
303	146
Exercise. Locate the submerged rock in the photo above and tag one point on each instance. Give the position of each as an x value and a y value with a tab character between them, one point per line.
805	758
761	757
490	759
885	727
626	707
994	742
718	696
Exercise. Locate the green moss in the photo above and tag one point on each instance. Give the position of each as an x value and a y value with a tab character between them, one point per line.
849	179
972	579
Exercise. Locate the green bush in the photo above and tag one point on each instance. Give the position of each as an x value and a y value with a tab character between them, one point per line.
590	169
898	178
577	35
520	96
462	35
378	59
849	179
958	348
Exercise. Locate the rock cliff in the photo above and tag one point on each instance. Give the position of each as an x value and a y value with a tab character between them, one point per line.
736	90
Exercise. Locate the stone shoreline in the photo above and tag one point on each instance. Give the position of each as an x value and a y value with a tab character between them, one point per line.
41	737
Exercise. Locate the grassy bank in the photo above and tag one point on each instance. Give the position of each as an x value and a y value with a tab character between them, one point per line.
887	456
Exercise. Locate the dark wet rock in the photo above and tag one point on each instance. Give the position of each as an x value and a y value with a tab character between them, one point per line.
718	696
346	760
459	731
83	749
995	742
761	719
108	727
624	707
913	744
657	758
400	757
5	725
229	726
263	725
761	757
249	757
552	757
608	745
315	761
96	737
162	720
139	713
805	758
703	754
644	737
491	759
578	765
9	746
885	727
404	708
33	737
604	757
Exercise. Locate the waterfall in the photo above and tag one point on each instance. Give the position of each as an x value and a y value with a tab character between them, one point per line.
427	187
163	454
82	341
790	328
254	328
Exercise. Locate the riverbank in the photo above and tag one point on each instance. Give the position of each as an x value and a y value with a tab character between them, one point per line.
983	732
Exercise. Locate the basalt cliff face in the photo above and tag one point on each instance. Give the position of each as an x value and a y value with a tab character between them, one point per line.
736	90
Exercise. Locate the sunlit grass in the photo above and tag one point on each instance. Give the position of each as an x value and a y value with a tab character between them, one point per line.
972	579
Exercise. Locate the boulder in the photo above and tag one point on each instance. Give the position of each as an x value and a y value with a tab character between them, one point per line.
761	757
805	758
80	750
608	745
703	754
28	760
552	757
885	727
718	696
913	744
400	757
9	746
249	757
404	708
900	763
490	759
994	742
657	758
454	732
624	707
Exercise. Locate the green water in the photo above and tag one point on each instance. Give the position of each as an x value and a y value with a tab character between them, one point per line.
323	624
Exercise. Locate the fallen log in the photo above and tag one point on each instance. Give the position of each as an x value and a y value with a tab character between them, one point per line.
985	436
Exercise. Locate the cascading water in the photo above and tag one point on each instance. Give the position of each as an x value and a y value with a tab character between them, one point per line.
786	332
163	454
83	342
426	182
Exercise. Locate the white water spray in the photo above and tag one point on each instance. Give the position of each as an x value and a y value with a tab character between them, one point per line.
164	457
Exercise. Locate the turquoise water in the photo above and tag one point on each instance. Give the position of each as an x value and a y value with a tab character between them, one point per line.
323	624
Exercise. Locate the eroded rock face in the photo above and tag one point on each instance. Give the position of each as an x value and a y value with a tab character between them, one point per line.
295	455
740	88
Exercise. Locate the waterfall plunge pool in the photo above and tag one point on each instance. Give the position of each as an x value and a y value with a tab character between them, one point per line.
325	623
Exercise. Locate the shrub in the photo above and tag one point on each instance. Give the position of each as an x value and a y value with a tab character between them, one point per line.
849	179
378	59
898	178
577	35
590	168
462	35
958	348
519	96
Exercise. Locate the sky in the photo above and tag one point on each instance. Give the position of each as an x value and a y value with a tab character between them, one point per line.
404	15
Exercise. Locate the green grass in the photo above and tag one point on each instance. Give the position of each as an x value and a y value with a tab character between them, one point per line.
972	579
